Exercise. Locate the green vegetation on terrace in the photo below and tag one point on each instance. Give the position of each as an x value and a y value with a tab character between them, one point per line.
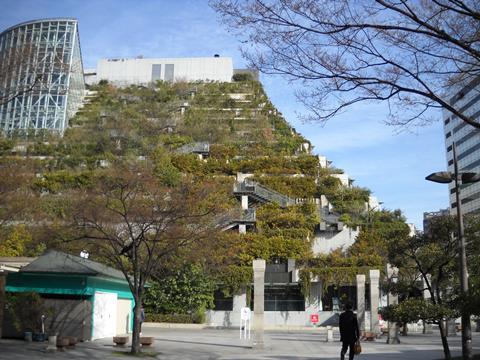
245	133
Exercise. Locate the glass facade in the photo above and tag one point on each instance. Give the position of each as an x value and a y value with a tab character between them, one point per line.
467	142
41	79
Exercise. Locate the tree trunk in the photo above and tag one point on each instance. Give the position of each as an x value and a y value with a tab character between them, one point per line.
443	335
136	327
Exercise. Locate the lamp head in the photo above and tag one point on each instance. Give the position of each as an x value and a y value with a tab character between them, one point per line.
443	177
470	177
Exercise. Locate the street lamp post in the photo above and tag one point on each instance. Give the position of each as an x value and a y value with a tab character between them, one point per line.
446	177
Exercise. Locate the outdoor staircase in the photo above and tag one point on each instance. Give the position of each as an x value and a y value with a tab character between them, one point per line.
236	217
329	220
261	194
200	148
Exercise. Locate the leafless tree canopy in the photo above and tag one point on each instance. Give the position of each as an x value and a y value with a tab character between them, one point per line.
411	53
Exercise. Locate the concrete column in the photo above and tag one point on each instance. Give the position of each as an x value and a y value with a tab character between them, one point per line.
361	302
374	297
292	269
313	303
3	281
392	299
244	202
258	301
242	229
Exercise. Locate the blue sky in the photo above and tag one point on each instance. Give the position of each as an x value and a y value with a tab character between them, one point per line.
391	162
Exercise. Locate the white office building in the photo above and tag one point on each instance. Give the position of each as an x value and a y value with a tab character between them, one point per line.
467	142
139	71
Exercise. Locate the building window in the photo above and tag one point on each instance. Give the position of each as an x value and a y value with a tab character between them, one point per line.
156	72
447	121
448	135
222	302
334	297
286	297
449	148
169	72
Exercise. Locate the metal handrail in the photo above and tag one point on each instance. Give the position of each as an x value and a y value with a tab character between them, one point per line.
198	147
237	216
264	192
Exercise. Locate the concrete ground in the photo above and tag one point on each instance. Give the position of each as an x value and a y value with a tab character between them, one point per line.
199	344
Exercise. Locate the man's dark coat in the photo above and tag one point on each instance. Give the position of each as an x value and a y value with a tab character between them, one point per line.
349	331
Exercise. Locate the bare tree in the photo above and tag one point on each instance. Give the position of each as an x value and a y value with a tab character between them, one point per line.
137	223
410	53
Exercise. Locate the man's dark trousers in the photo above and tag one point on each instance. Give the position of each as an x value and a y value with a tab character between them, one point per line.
349	332
345	346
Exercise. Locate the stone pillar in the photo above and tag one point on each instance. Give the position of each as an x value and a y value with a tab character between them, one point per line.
361	302
374	296
258	301
242	229
329	334
392	299
3	281
244	202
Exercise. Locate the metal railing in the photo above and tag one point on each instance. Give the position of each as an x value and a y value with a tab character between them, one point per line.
198	147
236	216
262	192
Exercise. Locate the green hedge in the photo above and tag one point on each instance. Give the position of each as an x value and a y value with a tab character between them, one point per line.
170	318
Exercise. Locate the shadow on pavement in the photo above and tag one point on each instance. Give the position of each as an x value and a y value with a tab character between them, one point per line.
203	343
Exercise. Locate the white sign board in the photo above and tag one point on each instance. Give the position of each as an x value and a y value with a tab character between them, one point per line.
245	316
245	313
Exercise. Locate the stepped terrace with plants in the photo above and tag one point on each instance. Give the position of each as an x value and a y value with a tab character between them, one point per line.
224	154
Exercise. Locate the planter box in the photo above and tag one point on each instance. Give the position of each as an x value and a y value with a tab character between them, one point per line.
146	340
72	340
62	342
120	340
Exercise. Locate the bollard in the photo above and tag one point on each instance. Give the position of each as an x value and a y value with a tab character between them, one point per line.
52	343
329	334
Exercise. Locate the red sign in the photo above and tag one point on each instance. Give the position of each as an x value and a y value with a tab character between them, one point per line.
314	318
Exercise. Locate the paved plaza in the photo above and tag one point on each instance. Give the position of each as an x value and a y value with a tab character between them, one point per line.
201	344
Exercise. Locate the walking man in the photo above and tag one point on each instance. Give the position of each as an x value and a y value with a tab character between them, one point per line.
349	331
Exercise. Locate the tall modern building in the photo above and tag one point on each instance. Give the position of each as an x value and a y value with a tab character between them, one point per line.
41	75
467	142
